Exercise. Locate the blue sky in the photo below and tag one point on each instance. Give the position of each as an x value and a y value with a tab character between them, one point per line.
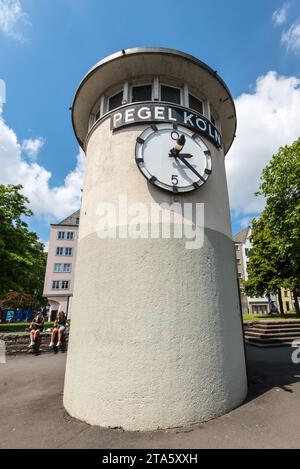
46	46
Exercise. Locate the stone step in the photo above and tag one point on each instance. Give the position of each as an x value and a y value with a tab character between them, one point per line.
269	341
273	321
276	333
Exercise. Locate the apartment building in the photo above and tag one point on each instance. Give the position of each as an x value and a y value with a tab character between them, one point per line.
255	305
60	270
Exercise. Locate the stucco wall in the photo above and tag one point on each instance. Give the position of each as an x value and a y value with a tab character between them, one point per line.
156	338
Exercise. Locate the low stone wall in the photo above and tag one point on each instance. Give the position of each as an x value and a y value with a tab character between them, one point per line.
17	342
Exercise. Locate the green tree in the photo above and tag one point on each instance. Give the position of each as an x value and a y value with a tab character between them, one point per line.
22	257
266	269
280	185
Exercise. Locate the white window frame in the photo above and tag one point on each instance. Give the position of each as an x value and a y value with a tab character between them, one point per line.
198	99
62	267
120	90
68	255
180	88
140	84
60	284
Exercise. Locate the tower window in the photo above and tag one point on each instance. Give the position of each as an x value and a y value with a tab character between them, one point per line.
195	104
115	101
141	93
170	94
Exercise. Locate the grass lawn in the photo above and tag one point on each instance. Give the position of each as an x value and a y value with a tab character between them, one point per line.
250	317
19	326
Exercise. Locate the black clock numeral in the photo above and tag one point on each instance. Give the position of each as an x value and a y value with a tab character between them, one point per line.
207	171
174	179
140	140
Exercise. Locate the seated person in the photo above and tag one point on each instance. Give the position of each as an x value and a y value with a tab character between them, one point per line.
36	328
58	328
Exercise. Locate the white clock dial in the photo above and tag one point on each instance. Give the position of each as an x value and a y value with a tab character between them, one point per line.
173	158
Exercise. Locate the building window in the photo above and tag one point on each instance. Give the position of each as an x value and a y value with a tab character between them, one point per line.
60	284
213	120
115	101
141	93
247	251
68	251
287	305
285	293
97	115
61	235
77	221
170	94
195	104
59	267
59	251
70	235
237	247
239	275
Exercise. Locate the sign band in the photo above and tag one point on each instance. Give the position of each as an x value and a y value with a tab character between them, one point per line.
154	112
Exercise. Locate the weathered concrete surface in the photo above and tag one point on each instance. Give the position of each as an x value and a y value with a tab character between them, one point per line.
163	345
32	414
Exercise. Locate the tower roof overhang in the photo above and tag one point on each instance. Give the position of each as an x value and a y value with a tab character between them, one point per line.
153	61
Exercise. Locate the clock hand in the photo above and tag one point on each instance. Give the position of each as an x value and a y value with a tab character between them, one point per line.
185	155
181	158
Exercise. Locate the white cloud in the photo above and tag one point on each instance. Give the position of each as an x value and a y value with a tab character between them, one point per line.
279	16
267	119
291	37
46	245
49	203
12	17
32	146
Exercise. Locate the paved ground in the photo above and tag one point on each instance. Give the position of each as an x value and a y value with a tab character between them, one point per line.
32	415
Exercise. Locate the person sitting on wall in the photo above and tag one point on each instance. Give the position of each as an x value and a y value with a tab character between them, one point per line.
59	328
36	328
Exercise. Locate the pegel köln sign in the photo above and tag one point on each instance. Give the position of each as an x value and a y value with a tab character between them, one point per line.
138	113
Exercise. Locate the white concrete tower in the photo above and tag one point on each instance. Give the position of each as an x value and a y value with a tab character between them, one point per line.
156	336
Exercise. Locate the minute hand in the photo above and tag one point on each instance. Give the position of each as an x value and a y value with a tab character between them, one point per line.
181	158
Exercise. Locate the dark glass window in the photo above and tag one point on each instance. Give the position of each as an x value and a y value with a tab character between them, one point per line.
195	104
170	94
115	101
141	93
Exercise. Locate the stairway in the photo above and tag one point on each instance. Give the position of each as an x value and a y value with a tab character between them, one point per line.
272	333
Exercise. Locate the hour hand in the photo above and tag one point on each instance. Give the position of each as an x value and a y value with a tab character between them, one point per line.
186	155
172	153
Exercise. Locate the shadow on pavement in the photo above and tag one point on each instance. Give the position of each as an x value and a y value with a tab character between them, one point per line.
270	368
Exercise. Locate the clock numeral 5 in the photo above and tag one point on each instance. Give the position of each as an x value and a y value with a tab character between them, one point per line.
174	180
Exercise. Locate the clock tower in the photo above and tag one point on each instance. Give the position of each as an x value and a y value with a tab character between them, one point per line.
156	336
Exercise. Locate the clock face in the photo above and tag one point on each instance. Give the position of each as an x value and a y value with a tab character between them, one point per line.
173	158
